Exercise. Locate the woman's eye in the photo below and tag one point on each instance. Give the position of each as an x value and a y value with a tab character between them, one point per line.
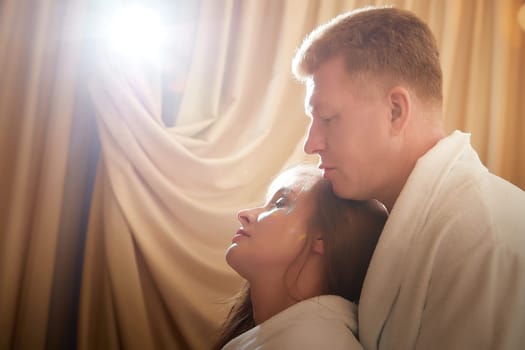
280	202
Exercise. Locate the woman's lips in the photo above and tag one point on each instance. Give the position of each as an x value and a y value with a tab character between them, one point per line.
240	233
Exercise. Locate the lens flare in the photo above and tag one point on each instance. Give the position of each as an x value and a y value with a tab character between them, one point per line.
136	32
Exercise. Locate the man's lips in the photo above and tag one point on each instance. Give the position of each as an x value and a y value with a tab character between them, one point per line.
323	166
326	168
326	171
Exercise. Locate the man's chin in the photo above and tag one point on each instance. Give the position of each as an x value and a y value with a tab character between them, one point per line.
346	192
341	191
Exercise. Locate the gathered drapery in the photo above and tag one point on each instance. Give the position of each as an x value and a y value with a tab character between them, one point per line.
126	250
47	150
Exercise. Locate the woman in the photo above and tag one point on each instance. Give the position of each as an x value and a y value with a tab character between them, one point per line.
304	255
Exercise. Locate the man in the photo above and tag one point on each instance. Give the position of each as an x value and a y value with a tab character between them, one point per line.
449	269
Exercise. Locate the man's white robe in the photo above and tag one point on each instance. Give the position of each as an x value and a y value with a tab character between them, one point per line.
449	269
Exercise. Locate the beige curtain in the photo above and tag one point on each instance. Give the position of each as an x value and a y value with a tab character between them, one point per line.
47	150
170	179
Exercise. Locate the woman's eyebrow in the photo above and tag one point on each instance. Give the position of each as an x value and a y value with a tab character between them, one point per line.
292	194
293	199
289	192
281	191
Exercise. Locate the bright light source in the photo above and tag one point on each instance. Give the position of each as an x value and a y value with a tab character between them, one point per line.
136	32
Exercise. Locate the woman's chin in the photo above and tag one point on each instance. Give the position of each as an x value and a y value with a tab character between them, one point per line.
231	256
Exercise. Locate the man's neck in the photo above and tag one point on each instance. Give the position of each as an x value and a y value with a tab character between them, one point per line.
422	140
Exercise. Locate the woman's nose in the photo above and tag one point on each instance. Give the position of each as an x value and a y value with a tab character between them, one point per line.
246	216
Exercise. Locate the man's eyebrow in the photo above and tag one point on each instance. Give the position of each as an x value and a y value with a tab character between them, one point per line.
314	109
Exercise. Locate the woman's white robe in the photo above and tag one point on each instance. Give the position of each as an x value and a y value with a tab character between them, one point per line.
324	322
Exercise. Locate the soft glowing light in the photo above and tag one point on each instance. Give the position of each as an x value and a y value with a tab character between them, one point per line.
521	16
136	32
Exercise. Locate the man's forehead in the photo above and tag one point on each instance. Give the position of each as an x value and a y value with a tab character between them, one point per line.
315	99
327	79
308	103
313	89
323	90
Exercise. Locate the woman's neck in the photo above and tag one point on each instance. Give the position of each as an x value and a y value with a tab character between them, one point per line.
270	294
268	299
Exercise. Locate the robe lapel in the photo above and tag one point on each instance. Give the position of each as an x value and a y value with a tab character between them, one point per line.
386	271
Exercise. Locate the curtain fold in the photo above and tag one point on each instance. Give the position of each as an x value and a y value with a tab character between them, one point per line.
41	46
168	182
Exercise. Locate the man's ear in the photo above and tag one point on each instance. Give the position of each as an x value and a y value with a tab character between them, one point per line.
318	246
400	108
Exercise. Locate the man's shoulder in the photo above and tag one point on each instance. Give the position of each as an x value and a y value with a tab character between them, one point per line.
458	184
469	197
478	212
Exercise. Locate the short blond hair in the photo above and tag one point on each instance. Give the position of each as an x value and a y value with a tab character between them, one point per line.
385	41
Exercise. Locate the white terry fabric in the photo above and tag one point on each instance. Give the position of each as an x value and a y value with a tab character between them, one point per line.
449	269
323	322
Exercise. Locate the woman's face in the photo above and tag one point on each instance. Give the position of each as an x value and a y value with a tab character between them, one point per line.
272	236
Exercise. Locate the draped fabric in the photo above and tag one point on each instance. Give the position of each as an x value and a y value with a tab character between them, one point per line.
135	260
47	151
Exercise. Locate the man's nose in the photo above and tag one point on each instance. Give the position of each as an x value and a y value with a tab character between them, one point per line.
314	141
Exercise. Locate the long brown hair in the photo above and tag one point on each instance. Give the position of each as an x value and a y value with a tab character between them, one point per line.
349	229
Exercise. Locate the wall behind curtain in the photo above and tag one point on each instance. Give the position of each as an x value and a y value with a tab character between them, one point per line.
182	147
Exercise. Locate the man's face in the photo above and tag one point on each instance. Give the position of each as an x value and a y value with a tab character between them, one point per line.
349	130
